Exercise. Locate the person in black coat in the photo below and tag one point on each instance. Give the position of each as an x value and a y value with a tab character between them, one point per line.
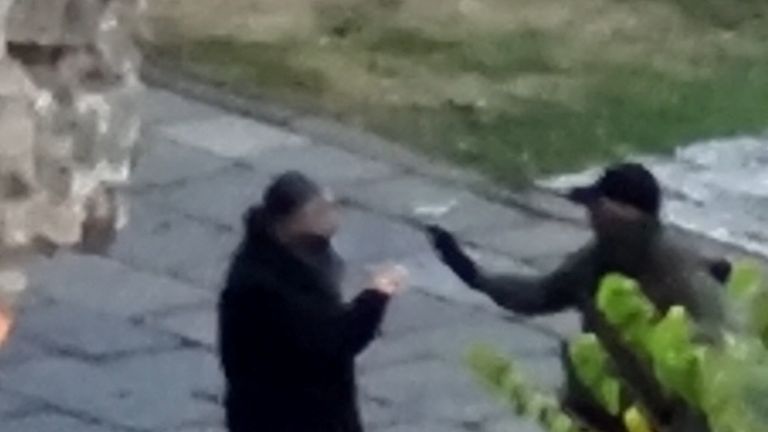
287	340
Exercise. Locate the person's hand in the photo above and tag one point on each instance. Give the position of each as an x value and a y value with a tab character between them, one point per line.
390	279
442	240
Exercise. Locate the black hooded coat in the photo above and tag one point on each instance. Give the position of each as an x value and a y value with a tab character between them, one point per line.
287	341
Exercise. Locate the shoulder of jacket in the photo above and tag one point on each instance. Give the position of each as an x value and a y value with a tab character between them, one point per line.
675	246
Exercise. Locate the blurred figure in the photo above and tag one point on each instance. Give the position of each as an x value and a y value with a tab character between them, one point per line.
6	321
623	207
13	282
287	341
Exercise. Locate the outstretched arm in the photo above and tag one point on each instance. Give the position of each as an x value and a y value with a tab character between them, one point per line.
530	295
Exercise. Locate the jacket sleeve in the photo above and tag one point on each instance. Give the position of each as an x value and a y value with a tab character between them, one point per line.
533	295
529	295
330	332
706	304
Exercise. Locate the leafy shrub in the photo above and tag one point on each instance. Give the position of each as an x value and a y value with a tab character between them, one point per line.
726	382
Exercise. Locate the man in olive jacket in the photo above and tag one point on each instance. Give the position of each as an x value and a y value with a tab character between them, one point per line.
623	206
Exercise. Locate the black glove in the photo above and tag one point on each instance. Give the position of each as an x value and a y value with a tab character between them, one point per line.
450	253
721	270
442	240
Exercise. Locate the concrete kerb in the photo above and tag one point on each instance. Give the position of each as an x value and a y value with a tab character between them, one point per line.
535	200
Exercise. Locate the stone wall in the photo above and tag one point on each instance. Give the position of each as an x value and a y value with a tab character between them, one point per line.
69	121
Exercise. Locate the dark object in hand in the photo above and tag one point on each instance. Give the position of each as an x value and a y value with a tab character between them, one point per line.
442	240
720	270
450	253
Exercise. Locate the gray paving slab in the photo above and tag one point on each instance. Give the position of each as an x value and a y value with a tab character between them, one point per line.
198	325
79	331
21	346
534	241
477	214
200	429
548	263
160	106
19	349
375	415
566	324
231	136
327	165
421	427
13	404
367	238
431	202
410	196
222	197
78	386
161	161
428	273
149	392
417	311
169	389
544	373
53	422
104	285
323	130
511	423
551	204
430	390
452	341
9	403
166	242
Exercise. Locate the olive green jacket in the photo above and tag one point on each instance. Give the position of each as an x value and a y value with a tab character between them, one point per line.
668	273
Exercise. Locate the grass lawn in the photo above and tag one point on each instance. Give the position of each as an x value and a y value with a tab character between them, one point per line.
513	88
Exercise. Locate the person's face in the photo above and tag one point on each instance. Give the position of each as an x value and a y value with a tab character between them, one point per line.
308	233
609	217
317	221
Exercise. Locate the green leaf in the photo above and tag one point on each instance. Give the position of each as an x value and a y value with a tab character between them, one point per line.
745	280
726	381
488	364
502	378
675	362
748	298
594	368
626	308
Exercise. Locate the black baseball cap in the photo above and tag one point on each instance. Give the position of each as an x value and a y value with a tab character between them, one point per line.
627	183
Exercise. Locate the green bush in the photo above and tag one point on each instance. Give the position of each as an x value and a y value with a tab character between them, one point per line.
726	381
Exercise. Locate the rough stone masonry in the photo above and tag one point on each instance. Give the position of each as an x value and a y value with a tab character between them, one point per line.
69	121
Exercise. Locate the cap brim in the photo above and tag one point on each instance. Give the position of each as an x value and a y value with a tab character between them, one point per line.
584	195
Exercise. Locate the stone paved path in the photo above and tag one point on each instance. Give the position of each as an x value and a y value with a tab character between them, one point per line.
125	342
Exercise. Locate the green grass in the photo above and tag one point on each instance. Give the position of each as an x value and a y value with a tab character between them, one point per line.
724	14
497	57
512	104
250	67
627	111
